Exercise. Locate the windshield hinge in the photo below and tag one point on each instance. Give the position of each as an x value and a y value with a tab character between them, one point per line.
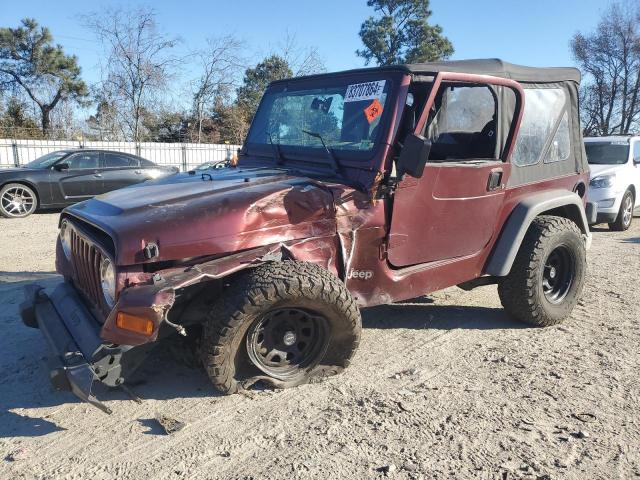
388	187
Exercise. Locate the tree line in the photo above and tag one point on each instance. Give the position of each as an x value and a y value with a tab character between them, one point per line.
42	89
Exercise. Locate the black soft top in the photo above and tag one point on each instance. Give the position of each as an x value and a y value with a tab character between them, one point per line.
499	68
489	66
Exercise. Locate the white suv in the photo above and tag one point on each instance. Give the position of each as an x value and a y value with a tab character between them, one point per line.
615	178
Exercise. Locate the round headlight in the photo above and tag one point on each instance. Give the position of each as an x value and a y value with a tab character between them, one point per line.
65	239
108	281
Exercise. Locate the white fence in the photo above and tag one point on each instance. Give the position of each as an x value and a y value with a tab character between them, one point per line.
183	155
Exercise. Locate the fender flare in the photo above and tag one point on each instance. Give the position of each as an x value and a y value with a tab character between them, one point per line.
555	202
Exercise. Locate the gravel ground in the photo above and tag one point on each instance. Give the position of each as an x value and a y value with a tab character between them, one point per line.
447	386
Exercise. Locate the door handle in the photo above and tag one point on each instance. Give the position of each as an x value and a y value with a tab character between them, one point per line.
138	172
495	180
97	175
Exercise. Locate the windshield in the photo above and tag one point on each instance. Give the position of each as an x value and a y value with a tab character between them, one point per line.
46	160
345	115
607	153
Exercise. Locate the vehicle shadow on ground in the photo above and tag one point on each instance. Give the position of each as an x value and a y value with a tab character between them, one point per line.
424	314
631	240
172	370
23	377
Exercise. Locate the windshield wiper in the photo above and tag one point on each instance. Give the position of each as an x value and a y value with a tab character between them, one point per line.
276	150
335	164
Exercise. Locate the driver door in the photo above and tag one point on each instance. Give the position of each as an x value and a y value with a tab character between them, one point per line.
451	211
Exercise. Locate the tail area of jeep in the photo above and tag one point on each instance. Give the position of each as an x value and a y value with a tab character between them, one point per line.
353	189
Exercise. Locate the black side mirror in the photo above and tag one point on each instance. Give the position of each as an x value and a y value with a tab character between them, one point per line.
414	155
61	166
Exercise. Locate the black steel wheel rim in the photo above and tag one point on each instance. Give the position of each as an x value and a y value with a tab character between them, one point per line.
286	341
558	274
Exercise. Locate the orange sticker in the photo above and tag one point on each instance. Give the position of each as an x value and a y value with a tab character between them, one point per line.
373	111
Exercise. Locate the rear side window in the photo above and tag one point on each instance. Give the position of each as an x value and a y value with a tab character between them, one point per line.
545	114
636	152
114	160
82	161
146	163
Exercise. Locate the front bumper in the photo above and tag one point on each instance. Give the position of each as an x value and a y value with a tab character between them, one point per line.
607	199
77	352
604	217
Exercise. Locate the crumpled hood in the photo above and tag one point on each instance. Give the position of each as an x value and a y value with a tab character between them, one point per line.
222	211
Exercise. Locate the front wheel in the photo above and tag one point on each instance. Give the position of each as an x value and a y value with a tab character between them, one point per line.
17	201
548	274
625	214
284	323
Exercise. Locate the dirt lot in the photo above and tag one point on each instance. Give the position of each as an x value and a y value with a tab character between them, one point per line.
447	386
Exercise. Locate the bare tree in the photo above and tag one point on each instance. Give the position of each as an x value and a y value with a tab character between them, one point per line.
139	60
220	62
301	60
609	58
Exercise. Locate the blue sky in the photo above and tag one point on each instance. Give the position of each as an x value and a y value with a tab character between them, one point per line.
531	33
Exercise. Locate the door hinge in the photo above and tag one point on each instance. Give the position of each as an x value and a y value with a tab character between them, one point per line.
383	250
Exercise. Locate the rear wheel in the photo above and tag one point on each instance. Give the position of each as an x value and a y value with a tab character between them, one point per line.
17	201
548	274
284	323
625	214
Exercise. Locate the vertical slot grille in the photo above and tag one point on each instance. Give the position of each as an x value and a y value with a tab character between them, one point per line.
86	267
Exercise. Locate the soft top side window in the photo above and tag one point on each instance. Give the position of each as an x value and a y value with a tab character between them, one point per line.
545	114
464	123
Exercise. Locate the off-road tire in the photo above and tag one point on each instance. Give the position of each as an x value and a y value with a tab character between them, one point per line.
257	291
621	224
522	292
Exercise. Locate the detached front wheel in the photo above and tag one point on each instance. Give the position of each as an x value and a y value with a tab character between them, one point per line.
283	323
548	274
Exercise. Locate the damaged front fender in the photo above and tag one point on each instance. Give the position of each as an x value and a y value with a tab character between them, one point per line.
154	301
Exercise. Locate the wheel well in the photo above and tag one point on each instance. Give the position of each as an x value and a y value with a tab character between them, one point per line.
571	212
26	184
632	189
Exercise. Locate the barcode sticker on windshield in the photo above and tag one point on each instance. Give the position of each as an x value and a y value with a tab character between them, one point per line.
364	91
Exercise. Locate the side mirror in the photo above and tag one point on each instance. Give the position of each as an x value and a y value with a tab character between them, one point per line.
414	155
61	166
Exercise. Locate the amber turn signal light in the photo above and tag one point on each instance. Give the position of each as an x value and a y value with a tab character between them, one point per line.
135	324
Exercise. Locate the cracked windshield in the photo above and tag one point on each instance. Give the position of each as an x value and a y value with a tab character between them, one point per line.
344	117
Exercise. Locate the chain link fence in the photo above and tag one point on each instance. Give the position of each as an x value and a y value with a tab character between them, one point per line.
14	153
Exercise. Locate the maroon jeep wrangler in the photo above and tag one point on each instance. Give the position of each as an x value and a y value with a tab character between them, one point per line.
353	189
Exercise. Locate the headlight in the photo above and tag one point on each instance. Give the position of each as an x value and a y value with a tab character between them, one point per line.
108	281
65	239
603	181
